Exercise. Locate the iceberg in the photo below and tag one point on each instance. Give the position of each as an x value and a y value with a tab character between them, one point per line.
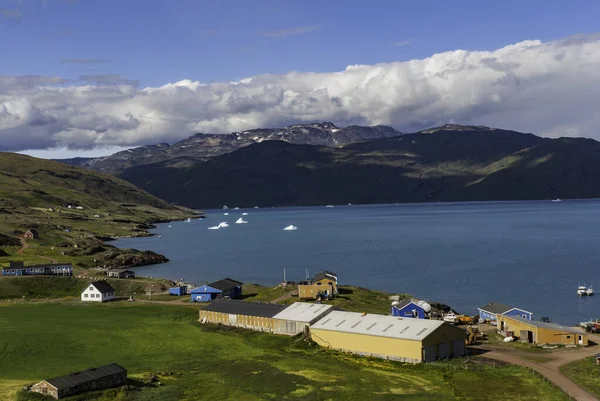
244	214
214	228
291	227
223	224
225	214
241	221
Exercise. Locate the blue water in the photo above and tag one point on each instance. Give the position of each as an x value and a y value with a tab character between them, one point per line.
527	254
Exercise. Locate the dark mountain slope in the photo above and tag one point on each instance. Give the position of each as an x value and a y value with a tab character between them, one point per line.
442	165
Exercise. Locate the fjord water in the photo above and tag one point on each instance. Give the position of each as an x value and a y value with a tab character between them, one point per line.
527	254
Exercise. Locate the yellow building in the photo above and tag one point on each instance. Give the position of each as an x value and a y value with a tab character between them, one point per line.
389	337
530	331
324	285
247	315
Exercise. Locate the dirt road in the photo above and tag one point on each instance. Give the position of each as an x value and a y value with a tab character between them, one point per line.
25	245
550	369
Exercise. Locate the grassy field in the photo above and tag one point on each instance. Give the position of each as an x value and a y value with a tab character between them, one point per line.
196	361
35	287
585	373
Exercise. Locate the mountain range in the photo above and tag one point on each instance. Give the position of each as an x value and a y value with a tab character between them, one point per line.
448	163
201	147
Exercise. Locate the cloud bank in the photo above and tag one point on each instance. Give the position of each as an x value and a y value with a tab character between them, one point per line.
545	88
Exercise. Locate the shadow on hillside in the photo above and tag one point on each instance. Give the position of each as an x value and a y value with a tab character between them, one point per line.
245	296
345	291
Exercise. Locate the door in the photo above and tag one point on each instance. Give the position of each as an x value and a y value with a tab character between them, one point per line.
459	348
233	320
444	351
580	340
429	354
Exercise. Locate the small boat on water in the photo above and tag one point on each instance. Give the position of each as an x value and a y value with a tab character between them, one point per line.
589	291
291	227
450	318
581	290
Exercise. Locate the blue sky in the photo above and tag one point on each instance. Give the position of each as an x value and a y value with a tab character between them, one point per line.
90	77
157	42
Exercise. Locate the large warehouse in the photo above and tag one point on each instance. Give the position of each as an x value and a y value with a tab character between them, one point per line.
389	337
297	317
247	315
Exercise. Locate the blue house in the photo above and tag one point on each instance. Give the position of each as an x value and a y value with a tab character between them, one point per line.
492	309
179	291
205	293
410	308
230	288
19	269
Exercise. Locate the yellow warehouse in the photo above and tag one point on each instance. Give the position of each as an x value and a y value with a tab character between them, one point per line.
247	315
389	337
530	331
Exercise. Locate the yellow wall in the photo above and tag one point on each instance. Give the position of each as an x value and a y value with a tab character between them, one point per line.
247	322
311	291
326	282
383	347
542	335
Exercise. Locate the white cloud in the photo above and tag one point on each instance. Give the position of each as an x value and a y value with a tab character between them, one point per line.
545	88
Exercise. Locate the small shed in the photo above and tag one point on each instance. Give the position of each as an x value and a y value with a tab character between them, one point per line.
120	273
533	332
178	291
491	310
107	376
298	317
410	308
389	337
229	287
248	315
31	234
205	293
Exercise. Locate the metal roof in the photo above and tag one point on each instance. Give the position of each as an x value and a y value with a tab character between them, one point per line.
77	378
405	302
205	289
544	325
496	307
302	312
244	308
226	284
103	286
378	325
325	274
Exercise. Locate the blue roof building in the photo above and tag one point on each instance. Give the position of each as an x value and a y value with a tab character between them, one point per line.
205	294
492	309
410	308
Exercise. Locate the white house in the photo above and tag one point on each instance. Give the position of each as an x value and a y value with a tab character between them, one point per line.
98	291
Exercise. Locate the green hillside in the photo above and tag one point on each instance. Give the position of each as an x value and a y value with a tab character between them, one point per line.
36	194
474	164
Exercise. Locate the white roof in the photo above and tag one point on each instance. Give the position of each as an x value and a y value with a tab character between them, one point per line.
302	312
378	325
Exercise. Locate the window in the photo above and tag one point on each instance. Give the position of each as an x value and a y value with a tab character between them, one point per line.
568	336
92	288
85	295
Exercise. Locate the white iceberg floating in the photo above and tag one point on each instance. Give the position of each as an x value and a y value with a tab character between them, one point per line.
291	227
236	208
214	228
225	214
241	221
169	226
223	224
244	214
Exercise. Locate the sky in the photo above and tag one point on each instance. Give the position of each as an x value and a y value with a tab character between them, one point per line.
81	78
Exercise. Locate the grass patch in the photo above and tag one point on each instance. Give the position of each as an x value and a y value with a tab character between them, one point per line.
43	340
585	373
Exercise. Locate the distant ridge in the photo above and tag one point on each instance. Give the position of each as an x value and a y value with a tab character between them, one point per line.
201	147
